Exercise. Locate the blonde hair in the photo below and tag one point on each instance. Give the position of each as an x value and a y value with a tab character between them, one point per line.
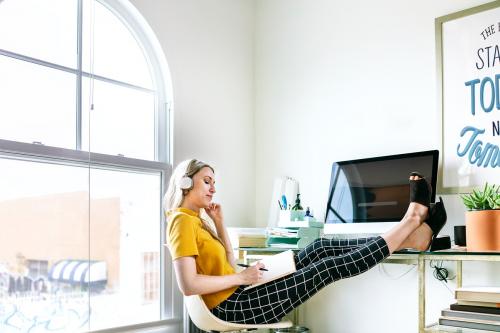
175	195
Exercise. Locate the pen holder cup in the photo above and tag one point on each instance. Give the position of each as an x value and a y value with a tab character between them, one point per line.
292	215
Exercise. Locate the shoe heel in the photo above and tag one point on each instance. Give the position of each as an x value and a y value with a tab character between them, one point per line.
437	217
440	243
436	221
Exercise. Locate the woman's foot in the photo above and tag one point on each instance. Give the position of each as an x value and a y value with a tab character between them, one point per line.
420	197
420	239
420	189
411	232
418	210
437	217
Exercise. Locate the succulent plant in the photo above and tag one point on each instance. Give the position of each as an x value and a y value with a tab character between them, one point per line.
488	198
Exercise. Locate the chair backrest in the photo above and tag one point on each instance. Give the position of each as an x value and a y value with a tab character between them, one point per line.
205	320
201	315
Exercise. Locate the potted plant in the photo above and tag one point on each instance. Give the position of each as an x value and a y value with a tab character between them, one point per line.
482	218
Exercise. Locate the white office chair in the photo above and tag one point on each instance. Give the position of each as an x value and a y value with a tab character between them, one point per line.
207	321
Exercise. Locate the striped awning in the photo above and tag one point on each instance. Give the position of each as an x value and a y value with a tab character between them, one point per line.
78	271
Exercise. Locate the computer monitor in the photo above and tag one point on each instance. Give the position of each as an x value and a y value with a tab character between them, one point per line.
371	195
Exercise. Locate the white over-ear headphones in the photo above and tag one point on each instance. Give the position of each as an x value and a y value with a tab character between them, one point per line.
186	183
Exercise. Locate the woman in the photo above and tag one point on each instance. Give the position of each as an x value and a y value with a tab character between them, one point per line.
204	262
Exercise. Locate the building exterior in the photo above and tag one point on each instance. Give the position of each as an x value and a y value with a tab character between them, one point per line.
58	227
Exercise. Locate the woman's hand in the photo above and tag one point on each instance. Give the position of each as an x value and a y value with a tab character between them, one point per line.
251	274
214	211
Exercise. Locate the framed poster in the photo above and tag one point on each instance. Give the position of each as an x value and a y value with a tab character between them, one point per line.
468	59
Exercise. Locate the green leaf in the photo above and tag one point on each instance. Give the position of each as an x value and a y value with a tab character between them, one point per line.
465	197
491	203
487	191
497	203
468	203
476	195
488	198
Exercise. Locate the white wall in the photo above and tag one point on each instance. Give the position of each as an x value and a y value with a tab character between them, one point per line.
339	80
266	88
209	49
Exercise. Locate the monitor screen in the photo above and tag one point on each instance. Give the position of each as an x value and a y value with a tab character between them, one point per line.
376	189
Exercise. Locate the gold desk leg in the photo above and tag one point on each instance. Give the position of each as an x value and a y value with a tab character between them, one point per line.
245	257
421	294
459	273
296	316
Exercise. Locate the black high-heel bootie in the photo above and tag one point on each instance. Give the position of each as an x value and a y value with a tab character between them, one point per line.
437	219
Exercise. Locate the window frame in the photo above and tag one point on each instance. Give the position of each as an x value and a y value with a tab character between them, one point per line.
159	71
39	265
171	302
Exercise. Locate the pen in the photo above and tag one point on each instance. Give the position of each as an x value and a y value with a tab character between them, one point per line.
283	200
246	266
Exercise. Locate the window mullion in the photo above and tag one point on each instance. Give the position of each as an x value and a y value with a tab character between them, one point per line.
48	153
36	61
79	41
162	126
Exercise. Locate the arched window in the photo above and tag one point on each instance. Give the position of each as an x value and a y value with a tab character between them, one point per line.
84	159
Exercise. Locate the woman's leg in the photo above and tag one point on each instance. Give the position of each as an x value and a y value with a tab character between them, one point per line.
323	247
412	234
270	302
398	236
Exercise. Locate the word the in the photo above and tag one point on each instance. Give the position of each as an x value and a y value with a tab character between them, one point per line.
490	30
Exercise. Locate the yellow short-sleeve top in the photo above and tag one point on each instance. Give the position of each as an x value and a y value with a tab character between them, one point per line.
186	237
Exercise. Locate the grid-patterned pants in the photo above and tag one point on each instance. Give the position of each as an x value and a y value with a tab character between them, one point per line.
319	264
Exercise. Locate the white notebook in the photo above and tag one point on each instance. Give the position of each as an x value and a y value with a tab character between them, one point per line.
278	265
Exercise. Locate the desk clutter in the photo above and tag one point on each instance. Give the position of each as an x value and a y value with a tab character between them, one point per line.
287	235
293	227
294	234
476	308
296	228
252	237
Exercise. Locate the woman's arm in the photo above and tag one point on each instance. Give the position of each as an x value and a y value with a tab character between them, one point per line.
215	213
192	283
222	233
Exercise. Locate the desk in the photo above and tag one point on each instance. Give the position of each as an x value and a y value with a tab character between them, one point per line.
245	254
413	258
459	256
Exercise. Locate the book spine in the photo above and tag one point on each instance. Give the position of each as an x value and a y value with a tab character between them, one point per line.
486	304
282	240
472	308
466	324
471	315
477	296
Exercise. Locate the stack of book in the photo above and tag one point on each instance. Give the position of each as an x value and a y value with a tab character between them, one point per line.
294	234
476	308
252	237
